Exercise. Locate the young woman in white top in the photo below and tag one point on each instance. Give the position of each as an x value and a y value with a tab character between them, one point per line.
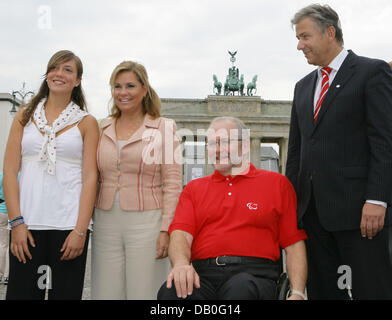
52	142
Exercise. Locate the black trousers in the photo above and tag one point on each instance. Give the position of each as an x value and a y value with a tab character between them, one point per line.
342	259
64	278
231	282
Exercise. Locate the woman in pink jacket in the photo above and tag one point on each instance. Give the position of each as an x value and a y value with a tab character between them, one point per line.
139	185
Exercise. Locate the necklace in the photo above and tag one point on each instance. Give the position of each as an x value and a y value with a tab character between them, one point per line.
125	132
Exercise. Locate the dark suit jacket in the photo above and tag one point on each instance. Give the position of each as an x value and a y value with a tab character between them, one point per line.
347	154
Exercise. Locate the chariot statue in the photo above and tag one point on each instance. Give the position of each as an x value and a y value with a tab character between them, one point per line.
234	83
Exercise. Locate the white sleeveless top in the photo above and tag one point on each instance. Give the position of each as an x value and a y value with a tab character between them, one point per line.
51	202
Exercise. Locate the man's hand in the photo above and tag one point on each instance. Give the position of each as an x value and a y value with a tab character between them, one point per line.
184	277
372	219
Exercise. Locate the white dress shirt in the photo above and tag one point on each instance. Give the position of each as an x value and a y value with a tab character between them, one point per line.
335	65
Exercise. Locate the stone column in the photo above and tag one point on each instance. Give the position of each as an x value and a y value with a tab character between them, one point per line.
183	139
283	148
208	166
255	151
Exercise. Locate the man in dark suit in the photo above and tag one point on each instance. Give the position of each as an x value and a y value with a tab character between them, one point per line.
340	162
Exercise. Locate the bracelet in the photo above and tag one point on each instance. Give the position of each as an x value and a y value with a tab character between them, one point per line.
15	220
17	224
298	293
80	234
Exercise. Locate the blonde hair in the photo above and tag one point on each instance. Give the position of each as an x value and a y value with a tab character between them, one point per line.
151	103
77	95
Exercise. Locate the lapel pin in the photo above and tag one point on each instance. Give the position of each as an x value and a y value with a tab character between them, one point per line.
338	86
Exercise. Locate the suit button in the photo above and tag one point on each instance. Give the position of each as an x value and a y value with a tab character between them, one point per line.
313	141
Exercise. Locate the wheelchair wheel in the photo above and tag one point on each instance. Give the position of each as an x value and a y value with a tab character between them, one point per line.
283	286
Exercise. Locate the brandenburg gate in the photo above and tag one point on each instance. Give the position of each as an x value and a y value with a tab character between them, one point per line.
268	120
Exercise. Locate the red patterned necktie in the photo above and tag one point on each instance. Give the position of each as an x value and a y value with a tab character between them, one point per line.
324	88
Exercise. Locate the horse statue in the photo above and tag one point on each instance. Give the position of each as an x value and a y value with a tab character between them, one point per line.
217	85
251	86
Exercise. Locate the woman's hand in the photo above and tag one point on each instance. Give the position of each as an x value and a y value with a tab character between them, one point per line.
162	245
73	246
19	246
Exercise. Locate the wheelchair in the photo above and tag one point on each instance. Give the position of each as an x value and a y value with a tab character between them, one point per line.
283	284
283	287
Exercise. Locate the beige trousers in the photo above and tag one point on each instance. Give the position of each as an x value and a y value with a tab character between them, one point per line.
123	249
4	244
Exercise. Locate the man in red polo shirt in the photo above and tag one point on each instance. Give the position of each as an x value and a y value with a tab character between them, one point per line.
229	227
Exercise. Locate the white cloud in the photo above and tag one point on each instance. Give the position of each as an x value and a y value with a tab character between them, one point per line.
182	43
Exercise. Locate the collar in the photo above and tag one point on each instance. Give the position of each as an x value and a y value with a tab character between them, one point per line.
249	172
336	63
147	122
108	126
150	122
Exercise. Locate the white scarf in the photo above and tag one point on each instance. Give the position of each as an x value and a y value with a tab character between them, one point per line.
70	115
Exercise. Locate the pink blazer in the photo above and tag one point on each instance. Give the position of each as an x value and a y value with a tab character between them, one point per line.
148	173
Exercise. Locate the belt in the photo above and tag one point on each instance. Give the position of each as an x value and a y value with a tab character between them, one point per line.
229	260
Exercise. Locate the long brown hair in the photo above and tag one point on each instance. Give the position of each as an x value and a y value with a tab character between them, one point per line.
77	95
151	103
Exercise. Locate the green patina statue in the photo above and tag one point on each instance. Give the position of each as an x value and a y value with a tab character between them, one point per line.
251	86
233	82
242	84
217	85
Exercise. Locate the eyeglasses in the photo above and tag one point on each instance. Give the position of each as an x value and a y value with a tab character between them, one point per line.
222	142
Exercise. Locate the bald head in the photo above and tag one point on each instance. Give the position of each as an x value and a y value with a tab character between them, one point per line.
228	145
233	123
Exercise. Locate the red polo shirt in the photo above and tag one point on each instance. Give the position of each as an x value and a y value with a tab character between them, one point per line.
246	215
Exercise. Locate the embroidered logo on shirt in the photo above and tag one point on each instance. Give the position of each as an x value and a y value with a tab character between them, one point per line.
252	206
